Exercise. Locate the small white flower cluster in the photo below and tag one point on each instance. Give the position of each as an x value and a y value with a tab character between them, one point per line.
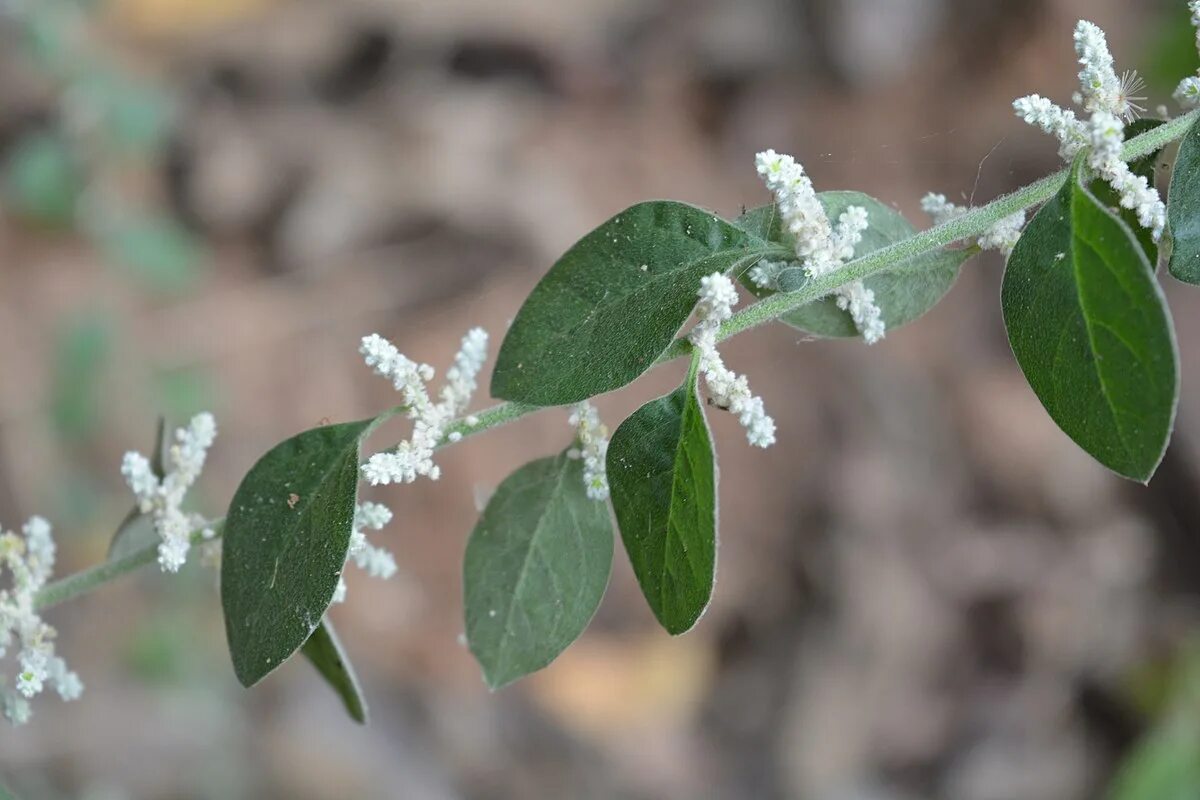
1002	236
820	247
1109	99
29	560
729	390
593	448
163	498
415	457
1188	92
375	561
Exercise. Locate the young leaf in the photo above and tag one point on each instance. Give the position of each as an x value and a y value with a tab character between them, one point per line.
663	476
903	293
1183	209
324	650
1090	328
1147	167
285	543
536	567
614	302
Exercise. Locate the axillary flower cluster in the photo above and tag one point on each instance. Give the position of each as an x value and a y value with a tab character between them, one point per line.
1110	100
414	457
28	560
820	247
162	497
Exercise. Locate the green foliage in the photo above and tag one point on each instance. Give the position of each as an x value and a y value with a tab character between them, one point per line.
324	650
1165	766
663	475
904	292
156	250
80	356
536	568
41	180
286	538
1183	209
614	302
1090	328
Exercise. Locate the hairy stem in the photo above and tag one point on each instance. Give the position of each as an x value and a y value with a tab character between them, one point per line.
971	224
84	581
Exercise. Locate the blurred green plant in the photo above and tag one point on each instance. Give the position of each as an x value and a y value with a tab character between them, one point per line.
105	124
1165	765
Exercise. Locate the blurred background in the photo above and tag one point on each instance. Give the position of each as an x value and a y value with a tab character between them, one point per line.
926	591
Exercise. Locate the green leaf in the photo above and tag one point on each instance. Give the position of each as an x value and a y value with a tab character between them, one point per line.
80	357
324	650
1183	209
1090	328
1165	766
285	543
904	293
663	476
41	180
536	567
1147	167
614	302
154	249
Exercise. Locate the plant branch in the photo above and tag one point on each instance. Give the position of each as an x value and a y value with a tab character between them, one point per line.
82	582
971	224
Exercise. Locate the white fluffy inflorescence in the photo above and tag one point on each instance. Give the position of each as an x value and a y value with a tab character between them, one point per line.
375	561
820	247
29	560
593	448
162	498
1002	236
415	457
1110	100
1188	92
729	390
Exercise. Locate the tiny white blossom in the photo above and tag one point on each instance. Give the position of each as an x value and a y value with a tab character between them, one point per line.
29	561
414	458
728	389
1188	92
163	498
593	435
765	274
1098	81
375	561
1002	236
1058	122
1109	99
820	247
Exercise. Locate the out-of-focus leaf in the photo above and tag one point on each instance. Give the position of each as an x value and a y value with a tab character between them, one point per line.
41	180
82	350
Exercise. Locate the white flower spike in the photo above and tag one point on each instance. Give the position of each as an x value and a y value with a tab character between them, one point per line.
29	560
1188	92
1002	236
593	447
729	390
820	247
414	457
162	499
375	561
1110	100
